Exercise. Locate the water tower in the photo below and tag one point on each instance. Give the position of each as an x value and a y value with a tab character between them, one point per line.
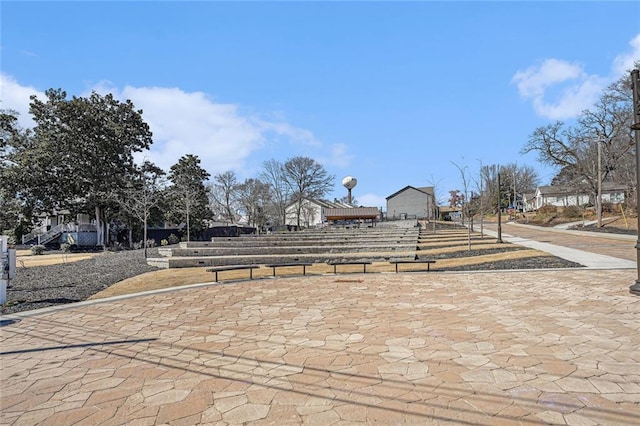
349	182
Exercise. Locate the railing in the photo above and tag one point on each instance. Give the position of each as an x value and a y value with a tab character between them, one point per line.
56	231
43	237
31	236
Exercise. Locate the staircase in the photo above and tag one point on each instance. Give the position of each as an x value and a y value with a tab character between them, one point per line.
36	237
313	246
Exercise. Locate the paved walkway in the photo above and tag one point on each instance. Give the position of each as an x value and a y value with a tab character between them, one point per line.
484	348
601	251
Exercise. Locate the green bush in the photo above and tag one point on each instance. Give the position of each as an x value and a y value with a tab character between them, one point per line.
151	243
38	249
164	242
173	239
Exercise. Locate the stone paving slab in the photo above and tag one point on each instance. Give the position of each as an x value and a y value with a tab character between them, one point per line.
529	347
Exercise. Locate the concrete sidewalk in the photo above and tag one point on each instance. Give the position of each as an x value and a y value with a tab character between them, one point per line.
588	259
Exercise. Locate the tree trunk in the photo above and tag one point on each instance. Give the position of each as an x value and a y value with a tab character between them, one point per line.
107	232
188	230
99	230
144	235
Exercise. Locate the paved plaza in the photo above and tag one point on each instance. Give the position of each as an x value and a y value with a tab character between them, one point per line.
481	348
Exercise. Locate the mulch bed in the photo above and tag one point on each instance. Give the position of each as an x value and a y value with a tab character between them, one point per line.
41	286
605	229
474	252
542	262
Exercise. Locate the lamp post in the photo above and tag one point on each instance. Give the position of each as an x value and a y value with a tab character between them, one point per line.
635	86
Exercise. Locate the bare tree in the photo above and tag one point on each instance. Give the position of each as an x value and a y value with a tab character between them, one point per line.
480	199
253	197
224	193
465	203
434	202
515	180
142	194
306	178
573	150
273	175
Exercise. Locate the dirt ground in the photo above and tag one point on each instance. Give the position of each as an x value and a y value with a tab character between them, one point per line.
630	223
25	259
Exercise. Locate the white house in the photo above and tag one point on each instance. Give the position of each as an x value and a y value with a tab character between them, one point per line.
528	202
310	212
563	196
411	202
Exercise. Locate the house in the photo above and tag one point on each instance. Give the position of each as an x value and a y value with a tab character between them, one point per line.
412	203
57	229
563	196
528	202
310	212
320	212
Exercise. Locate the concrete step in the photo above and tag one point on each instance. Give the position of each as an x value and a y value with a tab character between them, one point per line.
260	242
193	261
292	250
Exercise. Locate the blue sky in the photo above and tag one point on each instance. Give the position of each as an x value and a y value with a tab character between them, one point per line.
393	93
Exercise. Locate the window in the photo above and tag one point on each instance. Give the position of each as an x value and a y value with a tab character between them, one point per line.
616	197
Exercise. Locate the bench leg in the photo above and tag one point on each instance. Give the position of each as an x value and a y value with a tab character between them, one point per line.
334	269
364	268
304	270
251	273
274	271
396	268
216	275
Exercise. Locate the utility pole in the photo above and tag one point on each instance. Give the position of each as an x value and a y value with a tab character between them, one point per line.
499	240
515	197
635	86
481	208
599	200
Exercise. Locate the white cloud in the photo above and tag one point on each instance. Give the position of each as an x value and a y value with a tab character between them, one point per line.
625	61
187	123
16	97
535	80
575	89
301	136
578	90
190	123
